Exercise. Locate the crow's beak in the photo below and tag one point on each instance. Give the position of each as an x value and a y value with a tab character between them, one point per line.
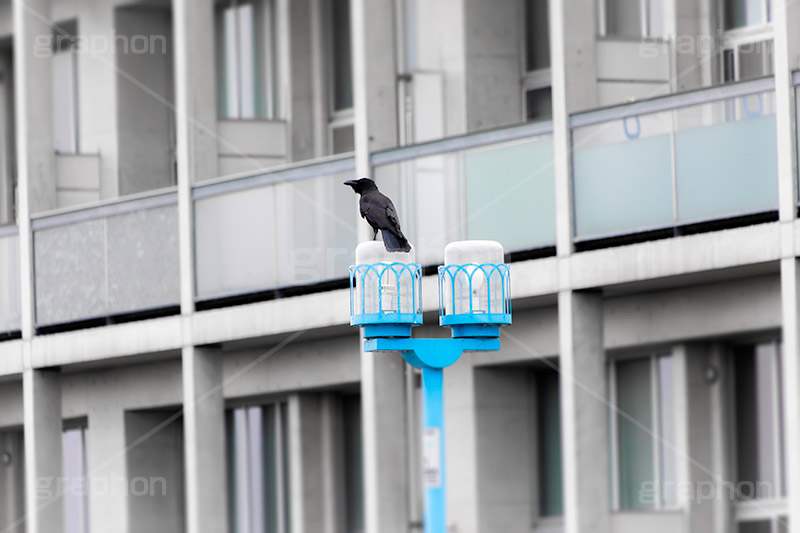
351	183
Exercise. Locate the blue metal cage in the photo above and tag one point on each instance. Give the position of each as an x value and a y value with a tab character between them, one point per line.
474	295
386	294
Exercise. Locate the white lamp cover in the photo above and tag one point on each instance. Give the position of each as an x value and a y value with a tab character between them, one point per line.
466	291
479	252
374	252
387	294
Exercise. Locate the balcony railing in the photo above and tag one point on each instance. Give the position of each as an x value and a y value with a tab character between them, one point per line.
495	185
670	161
110	259
10	315
681	159
291	226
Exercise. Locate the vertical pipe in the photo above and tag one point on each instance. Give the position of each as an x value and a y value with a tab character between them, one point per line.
433	450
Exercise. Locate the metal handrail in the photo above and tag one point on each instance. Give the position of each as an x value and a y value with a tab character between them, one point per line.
290	172
9	230
461	142
672	101
104	209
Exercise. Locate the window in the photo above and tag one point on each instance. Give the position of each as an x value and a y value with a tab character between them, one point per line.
536	78
353	464
341	78
538	104
742	13
642	433
65	89
757	404
537	35
631	18
755	407
258	471
12	478
548	443
778	525
247	85
75	489
342	60
746	59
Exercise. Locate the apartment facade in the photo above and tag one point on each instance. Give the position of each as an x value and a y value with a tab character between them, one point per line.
175	348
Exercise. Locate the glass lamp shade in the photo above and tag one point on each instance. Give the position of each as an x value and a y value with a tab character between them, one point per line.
474	285
385	288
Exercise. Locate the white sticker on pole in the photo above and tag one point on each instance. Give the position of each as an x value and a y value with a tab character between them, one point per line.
432	458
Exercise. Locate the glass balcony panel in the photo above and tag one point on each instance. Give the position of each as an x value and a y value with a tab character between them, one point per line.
427	194
70	272
10	314
143	261
726	159
510	194
235	242
622	176
320	237
124	262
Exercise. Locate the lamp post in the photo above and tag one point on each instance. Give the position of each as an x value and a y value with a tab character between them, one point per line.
386	301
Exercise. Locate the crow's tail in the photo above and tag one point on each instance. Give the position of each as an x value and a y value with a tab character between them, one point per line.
395	242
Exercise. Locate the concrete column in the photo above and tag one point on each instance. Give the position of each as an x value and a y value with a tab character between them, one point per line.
204	441
36	181
41	391
385	455
786	57
195	89
790	306
106	461
34	122
306	465
374	78
382	374
377	38
196	120
574	87
584	412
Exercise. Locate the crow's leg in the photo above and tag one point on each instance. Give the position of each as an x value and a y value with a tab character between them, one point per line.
374	233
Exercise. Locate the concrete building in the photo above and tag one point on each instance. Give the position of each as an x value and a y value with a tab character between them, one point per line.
175	238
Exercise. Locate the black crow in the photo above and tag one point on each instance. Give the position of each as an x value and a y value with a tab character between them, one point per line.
378	210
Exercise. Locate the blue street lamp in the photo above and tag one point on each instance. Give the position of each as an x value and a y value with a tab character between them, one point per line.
474	301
